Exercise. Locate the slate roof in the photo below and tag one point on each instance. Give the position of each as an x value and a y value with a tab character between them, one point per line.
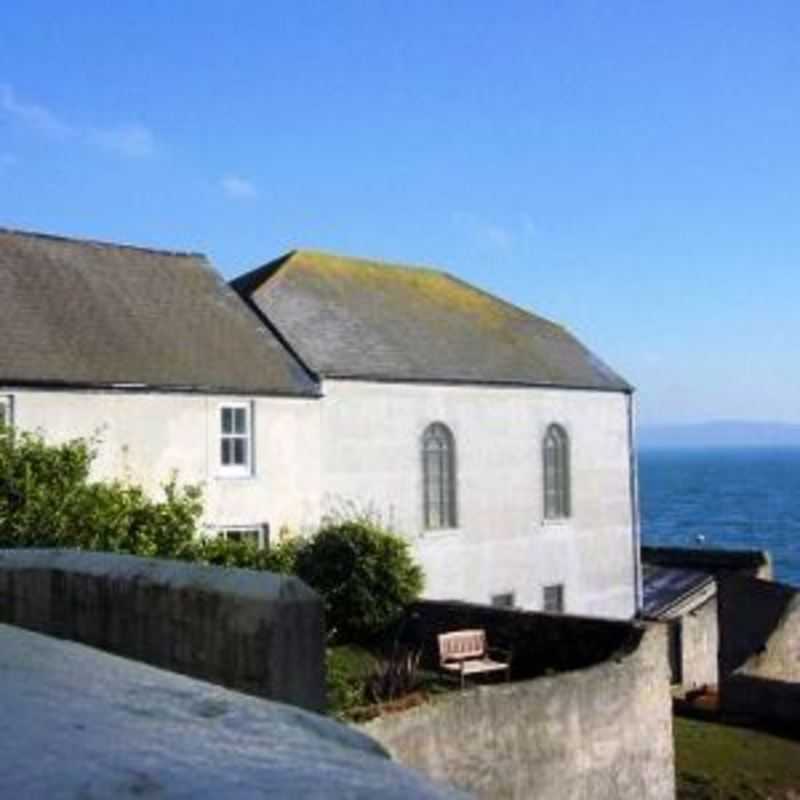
352	318
84	313
664	587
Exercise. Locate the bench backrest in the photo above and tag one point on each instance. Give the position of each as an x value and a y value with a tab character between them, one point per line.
461	645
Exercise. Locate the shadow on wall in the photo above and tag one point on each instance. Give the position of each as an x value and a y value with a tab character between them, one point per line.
256	632
539	643
759	657
755	563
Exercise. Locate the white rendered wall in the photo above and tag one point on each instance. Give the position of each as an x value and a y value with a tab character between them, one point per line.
145	437
371	435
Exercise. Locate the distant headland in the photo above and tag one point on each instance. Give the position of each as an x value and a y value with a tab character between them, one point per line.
722	433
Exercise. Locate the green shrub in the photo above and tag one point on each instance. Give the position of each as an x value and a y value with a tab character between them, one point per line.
365	575
47	500
278	558
347	668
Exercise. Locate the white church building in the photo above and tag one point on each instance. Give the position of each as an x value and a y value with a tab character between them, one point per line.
488	437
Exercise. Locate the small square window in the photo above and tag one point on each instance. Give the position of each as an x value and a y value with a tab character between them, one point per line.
553	601
235	453
504	600
254	534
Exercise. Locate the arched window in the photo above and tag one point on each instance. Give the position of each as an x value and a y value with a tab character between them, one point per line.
555	458
439	477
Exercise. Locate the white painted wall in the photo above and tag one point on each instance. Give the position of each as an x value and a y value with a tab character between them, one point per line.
146	436
361	444
371	436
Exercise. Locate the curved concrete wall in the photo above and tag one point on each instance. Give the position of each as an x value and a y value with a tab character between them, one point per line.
600	732
252	631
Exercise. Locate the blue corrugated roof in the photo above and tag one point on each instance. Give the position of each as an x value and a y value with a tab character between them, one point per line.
665	586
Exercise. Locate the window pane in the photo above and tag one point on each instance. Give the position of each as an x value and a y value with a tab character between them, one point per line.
225	456
554	598
505	600
239	420
227	420
239	451
555	457
242	535
438	477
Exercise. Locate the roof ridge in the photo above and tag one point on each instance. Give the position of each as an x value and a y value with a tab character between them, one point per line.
378	262
101	243
256	277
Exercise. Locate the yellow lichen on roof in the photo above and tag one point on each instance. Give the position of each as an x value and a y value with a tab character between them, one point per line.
399	284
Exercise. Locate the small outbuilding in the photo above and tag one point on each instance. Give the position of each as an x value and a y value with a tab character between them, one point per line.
686	600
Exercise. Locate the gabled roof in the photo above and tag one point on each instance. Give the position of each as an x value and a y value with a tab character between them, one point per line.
352	318
84	313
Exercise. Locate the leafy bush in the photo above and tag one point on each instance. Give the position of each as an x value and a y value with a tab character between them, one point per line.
394	677
347	668
278	558
47	500
365	575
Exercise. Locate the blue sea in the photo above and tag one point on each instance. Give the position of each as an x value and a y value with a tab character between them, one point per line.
745	498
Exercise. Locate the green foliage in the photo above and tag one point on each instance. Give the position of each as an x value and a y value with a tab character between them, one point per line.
347	670
394	677
364	573
278	558
47	500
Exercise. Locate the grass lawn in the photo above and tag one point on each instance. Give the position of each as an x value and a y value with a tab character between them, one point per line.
719	762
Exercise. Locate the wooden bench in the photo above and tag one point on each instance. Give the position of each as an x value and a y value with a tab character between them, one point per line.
466	653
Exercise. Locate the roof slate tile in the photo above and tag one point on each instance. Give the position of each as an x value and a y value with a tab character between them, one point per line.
78	312
352	318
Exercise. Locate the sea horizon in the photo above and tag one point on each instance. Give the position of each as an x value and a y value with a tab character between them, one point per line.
724	496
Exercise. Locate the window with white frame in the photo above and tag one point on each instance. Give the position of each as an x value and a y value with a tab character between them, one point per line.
553	599
254	534
6	410
439	477
555	464
236	439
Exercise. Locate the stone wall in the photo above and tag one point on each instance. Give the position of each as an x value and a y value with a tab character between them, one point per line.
700	645
601	732
759	648
252	631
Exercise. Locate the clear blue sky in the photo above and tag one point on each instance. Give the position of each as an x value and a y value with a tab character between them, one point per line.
631	169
